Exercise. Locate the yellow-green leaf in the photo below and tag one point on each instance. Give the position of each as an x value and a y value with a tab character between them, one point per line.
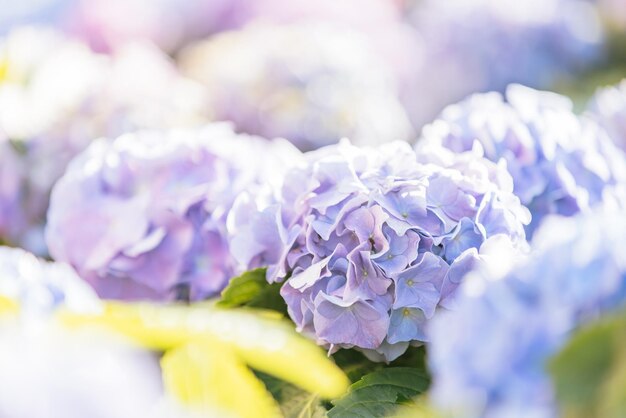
208	376
8	306
262	339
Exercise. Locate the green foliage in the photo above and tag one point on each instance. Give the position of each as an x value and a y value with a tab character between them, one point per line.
590	372
293	401
251	289
380	393
356	365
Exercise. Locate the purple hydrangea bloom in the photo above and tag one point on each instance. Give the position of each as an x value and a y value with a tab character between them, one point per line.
560	163
481	45
369	242
608	107
297	82
143	216
488	356
56	95
40	287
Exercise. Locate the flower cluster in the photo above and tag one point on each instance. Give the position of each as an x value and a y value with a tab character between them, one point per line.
143	216
56	96
39	286
560	163
608	107
482	45
310	83
488	357
370	242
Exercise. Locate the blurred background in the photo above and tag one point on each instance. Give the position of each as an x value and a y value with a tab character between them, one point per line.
312	72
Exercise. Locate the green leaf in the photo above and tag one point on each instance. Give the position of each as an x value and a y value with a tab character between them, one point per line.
293	401
380	393
354	364
252	289
589	372
244	288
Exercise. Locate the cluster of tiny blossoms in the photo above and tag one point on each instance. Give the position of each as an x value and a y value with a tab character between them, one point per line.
370	242
143	216
560	163
488	357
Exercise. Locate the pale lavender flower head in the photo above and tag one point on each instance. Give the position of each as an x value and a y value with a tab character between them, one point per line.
560	163
310	83
488	357
56	95
608	108
481	45
143	216
370	242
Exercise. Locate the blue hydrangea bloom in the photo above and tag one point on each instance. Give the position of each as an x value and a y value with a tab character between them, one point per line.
488	356
370	243
560	163
143	216
481	45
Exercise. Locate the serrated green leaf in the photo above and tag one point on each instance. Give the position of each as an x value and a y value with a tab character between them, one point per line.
252	289
585	370
379	394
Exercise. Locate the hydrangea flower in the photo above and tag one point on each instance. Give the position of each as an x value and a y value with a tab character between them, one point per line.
481	45
608	107
39	287
560	163
56	96
370	243
143	216
310	83
488	357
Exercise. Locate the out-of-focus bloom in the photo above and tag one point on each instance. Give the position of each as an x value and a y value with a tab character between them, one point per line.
371	242
613	12
28	12
39	287
560	163
56	96
481	45
608	107
142	217
106	24
59	374
488	357
310	83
